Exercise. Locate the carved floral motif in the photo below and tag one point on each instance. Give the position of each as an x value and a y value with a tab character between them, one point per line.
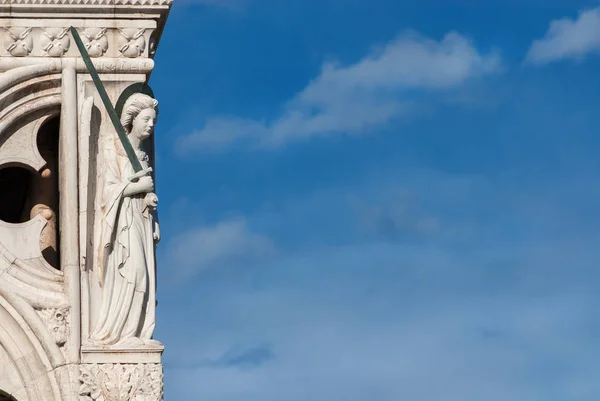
56	320
131	42
19	42
55	41
95	41
121	382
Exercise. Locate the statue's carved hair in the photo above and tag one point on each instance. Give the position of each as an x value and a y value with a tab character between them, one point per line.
134	105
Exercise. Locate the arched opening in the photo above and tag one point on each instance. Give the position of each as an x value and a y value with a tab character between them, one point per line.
25	194
43	198
29	355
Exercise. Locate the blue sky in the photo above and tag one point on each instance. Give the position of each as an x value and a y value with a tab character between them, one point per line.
379	200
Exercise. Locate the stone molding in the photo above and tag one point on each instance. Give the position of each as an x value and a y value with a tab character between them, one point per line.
92	354
46	65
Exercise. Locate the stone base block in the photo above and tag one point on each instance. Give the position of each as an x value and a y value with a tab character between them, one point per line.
117	381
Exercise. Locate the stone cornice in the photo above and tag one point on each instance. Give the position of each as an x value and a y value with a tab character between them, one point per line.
102	3
48	10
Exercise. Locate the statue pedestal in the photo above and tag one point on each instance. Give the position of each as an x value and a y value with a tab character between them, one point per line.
135	372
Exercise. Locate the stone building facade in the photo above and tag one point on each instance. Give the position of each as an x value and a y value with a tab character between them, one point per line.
78	226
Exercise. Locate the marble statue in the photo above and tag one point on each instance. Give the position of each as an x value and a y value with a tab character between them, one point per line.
129	234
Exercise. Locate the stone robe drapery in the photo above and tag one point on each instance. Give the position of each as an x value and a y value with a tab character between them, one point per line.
127	266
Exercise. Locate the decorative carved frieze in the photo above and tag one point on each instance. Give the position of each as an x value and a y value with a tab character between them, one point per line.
18	41
131	42
121	382
110	40
55	42
95	41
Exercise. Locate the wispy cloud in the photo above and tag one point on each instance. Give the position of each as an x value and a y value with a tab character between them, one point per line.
237	356
355	98
396	333
224	244
568	39
511	315
247	357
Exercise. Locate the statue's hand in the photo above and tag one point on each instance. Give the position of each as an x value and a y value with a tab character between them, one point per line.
151	200
146	184
156	233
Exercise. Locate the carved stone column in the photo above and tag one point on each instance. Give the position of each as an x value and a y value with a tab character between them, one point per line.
50	306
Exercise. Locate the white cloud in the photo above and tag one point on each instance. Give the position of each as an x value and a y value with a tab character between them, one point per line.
357	97
222	245
568	38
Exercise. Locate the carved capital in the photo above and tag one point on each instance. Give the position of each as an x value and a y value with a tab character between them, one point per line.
121	382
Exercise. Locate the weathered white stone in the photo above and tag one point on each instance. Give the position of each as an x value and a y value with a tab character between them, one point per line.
10	382
60	338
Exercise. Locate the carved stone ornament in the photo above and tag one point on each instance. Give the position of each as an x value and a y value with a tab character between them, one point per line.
131	42
95	41
121	382
56	319
18	41
55	41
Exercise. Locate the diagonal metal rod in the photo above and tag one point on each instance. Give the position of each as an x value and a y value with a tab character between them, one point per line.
137	167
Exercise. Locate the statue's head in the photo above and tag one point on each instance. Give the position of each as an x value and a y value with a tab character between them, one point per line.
139	115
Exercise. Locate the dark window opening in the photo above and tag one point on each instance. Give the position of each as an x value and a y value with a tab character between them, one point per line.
43	198
25	194
15	183
5	397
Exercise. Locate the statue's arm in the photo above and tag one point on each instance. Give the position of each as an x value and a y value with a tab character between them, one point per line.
142	186
116	180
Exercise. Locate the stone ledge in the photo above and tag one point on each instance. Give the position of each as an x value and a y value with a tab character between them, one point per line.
147	354
109	65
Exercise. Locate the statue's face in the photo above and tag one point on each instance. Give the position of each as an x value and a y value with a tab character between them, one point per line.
143	124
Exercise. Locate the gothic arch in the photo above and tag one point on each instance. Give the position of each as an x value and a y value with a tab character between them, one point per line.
28	99
23	103
31	350
29	96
